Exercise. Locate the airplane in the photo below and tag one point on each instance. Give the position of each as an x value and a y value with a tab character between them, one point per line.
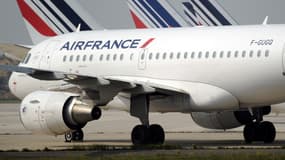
222	82
157	95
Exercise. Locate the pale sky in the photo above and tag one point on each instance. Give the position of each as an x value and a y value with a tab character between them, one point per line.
113	14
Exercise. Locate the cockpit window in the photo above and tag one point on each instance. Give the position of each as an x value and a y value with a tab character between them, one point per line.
26	60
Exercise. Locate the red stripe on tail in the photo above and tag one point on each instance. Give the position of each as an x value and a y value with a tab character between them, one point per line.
137	21
34	19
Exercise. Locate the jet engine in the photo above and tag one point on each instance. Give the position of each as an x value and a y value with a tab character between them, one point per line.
55	113
222	120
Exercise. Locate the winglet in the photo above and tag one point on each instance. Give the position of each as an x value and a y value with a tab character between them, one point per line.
78	27
265	21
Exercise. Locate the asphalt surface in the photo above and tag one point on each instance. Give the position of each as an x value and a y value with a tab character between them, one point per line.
114	129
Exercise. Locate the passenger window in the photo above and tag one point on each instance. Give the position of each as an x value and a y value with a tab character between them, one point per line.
114	57
214	54
207	54
77	58
229	54
200	55
178	55
64	58
71	58
164	55
259	53
84	58
243	54
121	56
91	57
267	53
132	56
150	56
185	55
108	57
221	54
236	54
171	55
157	55
193	55
101	57
251	53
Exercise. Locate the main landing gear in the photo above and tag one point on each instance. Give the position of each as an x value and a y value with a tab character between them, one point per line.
78	135
154	134
145	133
259	130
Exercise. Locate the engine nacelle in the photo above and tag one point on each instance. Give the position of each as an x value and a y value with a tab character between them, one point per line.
222	120
54	113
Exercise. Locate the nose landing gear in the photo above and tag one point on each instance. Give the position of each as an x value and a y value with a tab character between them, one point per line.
75	136
78	135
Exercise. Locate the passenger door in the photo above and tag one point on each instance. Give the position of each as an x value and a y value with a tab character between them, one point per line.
142	59
46	55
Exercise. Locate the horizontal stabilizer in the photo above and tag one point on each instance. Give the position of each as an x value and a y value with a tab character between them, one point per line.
14	51
38	74
13	68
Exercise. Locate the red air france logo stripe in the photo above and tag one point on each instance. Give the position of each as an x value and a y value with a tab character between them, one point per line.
34	19
147	43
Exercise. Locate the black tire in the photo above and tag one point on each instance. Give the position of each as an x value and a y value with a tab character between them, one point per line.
140	135
269	132
77	135
249	133
157	135
68	136
96	113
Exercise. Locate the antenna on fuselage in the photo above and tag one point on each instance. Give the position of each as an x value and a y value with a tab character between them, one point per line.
78	27
265	21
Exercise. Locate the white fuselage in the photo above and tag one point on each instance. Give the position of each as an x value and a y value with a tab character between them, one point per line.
245	61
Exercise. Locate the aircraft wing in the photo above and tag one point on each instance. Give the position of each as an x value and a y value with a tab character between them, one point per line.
147	82
14	51
103	89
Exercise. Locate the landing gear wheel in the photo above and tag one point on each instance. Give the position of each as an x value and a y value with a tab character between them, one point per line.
74	136
68	136
264	131
96	113
269	132
140	135
157	135
77	135
249	133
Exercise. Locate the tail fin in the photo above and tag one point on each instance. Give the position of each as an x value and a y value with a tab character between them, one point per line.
54	17
207	13
185	13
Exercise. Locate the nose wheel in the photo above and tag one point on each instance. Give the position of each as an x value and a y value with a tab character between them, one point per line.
75	136
78	135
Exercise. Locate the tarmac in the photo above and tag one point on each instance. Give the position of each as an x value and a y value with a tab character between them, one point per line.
114	128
